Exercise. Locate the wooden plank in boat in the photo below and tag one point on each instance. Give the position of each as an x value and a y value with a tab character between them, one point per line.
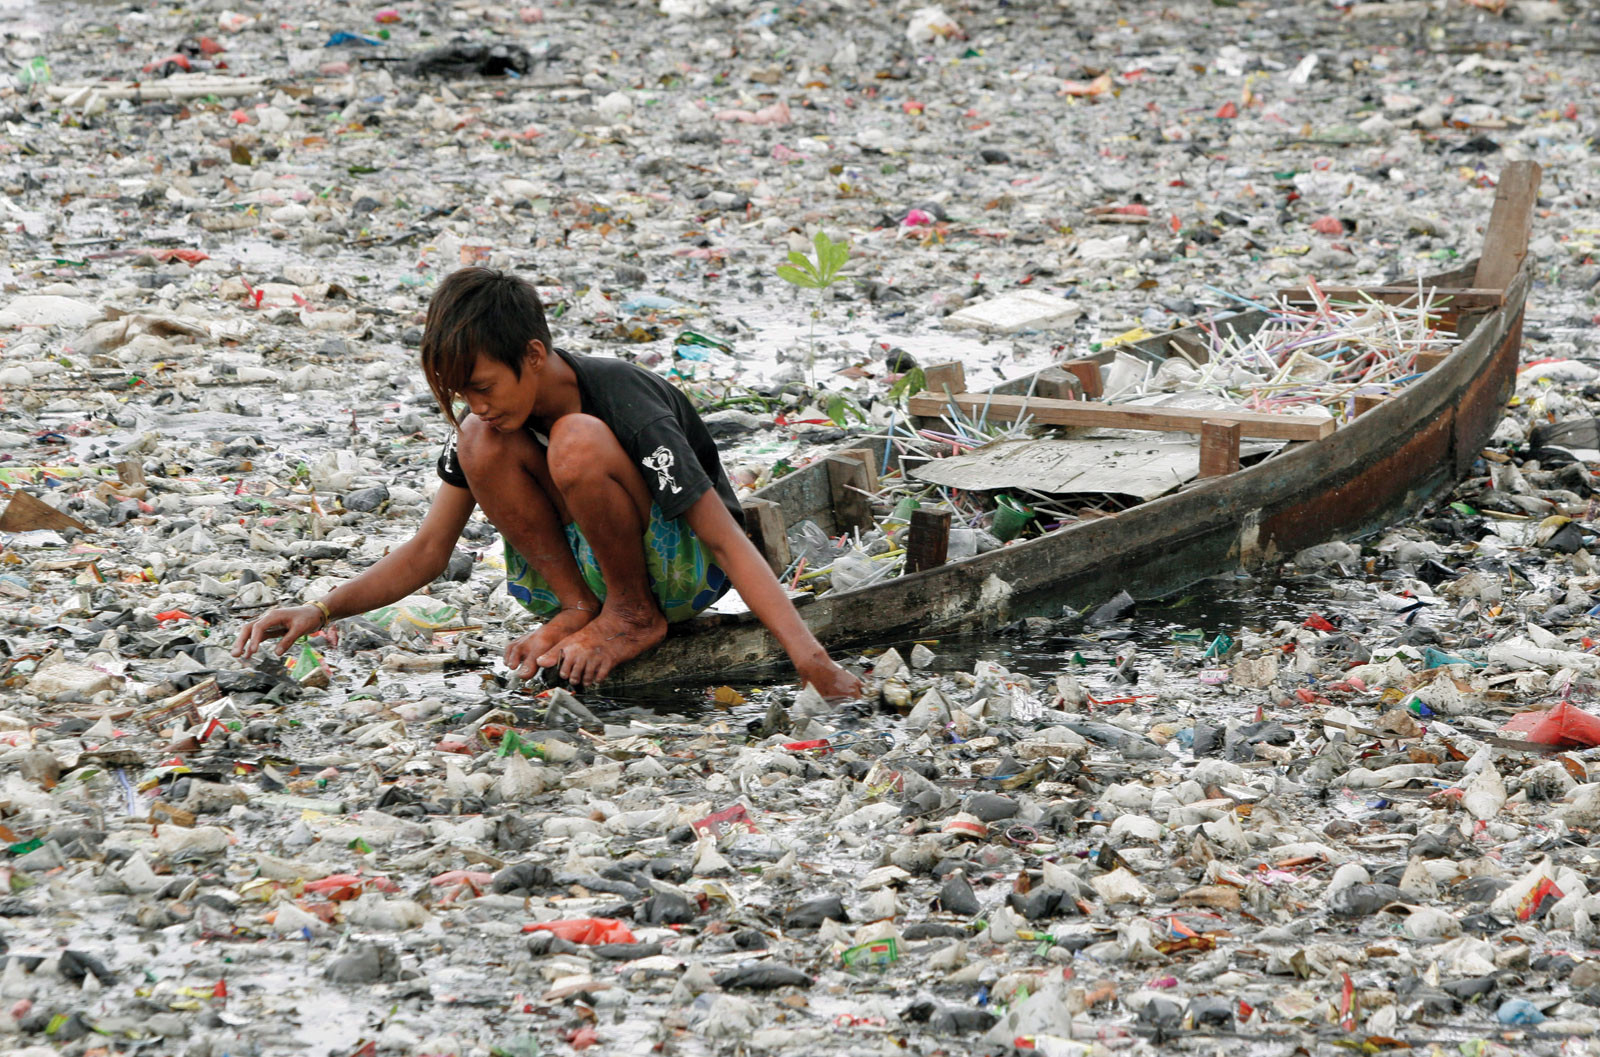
928	541
1219	448
763	523
1088	413
850	483
1505	243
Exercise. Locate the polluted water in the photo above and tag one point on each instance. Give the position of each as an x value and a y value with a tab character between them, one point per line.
1342	802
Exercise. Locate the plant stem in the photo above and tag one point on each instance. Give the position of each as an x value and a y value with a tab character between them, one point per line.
811	342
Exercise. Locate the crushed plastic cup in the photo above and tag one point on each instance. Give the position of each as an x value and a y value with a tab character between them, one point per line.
1010	518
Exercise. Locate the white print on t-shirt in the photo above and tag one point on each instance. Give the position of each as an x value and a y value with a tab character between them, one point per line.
661	461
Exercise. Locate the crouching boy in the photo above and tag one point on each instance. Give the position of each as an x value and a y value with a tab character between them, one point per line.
604	483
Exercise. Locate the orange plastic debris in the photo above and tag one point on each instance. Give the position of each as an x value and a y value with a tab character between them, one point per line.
587	931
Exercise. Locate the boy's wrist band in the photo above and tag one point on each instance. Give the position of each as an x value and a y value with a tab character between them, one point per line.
327	614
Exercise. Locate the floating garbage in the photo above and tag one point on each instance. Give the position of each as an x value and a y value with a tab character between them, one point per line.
1344	802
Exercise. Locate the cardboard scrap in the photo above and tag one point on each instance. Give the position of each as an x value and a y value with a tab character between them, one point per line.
26	513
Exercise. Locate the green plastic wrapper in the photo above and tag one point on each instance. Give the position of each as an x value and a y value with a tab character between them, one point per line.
307	662
416	611
35	71
875	954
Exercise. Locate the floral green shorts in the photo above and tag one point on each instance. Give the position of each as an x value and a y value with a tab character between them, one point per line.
682	575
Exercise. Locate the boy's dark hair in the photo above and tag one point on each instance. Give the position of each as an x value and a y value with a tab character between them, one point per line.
478	312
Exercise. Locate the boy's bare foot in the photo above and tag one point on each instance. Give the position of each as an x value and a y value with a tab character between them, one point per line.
523	653
616	635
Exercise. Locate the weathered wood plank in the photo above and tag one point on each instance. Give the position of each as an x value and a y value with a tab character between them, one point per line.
946	378
927	540
848	482
763	523
868	459
805	494
1056	384
1505	242
1087	413
1087	372
1219	448
1364	402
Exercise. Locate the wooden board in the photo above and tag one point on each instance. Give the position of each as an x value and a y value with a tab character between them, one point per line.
763	523
1219	448
1087	372
850	484
948	377
1505	243
927	540
1088	413
25	513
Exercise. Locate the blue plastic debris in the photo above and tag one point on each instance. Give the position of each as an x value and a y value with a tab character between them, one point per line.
1433	658
650	303
1519	1011
342	37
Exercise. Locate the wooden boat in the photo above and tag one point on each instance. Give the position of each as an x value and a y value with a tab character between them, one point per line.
1337	483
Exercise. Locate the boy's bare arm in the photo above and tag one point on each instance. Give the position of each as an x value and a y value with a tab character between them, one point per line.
753	579
414	564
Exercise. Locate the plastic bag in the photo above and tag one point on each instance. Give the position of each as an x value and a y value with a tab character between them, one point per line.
808	541
1565	725
851	569
417	612
588	931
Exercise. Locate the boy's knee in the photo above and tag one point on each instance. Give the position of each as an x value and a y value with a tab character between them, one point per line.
477	445
579	446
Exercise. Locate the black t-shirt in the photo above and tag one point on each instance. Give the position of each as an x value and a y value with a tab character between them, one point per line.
656	425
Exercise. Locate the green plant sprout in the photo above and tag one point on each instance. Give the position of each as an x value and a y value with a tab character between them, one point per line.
908	385
841	409
816	275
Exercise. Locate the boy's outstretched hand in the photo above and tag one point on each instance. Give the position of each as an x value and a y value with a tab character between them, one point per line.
830	680
290	622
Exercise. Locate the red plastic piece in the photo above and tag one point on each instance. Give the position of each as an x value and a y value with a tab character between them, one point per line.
1566	725
587	931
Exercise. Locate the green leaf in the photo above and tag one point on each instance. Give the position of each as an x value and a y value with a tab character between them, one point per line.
909	384
838	256
798	277
841	409
831	256
801	261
